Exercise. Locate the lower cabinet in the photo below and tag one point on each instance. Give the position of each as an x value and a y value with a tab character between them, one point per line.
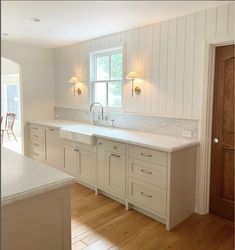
71	160
79	163
52	147
87	167
111	168
115	174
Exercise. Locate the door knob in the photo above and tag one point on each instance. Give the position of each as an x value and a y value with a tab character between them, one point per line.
216	140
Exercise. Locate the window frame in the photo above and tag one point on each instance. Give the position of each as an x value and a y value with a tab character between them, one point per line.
93	73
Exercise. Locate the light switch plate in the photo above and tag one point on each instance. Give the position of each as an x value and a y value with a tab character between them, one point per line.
187	133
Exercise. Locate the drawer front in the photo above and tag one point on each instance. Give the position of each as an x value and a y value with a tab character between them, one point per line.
147	172
148	196
116	147
36	145
36	133
150	155
37	155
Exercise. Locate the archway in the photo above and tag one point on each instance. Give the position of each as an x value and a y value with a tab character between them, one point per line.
11	103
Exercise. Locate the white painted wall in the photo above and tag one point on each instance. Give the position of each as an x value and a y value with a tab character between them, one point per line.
37	81
170	54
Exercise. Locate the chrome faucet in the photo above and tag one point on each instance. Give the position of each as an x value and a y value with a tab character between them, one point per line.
102	110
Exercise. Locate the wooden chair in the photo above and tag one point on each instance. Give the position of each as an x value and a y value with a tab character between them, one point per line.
9	124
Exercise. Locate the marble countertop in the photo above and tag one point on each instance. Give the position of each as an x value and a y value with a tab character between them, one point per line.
150	140
22	177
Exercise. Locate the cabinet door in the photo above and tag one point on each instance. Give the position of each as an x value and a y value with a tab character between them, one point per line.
87	167
101	164
116	174
71	159
52	148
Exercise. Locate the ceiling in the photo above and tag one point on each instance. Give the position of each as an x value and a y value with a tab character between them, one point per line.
67	22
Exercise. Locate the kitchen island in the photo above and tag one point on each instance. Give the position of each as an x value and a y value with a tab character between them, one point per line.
35	203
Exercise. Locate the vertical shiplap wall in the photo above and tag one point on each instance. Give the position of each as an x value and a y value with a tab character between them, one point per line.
169	55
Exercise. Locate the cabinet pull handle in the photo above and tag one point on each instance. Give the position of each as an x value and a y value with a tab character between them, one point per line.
35	144
115	147
146	172
50	129
35	136
35	128
146	155
115	155
76	150
100	143
146	195
36	154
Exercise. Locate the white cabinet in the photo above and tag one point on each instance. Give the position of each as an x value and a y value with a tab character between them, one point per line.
116	174
101	164
111	169
87	167
71	160
79	162
52	148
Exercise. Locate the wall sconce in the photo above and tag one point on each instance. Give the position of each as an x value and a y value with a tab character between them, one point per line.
133	76
74	80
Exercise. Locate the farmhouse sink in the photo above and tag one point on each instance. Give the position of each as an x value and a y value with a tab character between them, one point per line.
79	133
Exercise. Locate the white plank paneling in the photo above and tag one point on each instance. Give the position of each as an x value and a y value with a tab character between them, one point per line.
189	65
163	68
211	17
179	74
171	64
155	68
200	27
170	54
222	22
231	28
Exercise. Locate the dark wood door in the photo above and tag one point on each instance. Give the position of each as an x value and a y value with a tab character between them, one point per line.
222	158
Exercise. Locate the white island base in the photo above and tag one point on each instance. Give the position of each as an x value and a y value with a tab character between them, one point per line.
39	222
35	209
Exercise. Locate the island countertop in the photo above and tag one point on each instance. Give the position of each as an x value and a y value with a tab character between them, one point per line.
23	177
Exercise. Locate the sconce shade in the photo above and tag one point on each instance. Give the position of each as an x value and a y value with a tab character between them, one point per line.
132	75
73	80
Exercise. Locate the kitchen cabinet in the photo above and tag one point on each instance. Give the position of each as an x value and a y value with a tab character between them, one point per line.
71	160
111	170
52	148
157	182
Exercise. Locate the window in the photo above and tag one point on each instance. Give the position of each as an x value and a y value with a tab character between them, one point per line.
106	77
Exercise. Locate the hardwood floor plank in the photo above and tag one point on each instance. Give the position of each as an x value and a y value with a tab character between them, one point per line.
99	223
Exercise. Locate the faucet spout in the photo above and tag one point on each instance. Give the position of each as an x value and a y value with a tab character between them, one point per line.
98	104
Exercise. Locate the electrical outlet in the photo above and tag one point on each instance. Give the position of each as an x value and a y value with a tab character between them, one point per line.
187	133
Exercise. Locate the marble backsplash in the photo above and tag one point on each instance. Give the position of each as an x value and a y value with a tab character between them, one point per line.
152	124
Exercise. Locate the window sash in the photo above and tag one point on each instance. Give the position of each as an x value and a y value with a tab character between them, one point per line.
94	57
107	92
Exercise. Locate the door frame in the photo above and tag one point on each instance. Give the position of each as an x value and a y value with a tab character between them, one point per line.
205	126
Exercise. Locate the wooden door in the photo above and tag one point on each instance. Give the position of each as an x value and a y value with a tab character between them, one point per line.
222	158
115	174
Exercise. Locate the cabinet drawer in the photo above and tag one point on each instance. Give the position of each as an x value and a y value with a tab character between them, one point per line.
147	172
37	155
150	155
148	196
36	145
116	147
36	133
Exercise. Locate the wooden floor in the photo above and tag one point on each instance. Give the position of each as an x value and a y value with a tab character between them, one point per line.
101	223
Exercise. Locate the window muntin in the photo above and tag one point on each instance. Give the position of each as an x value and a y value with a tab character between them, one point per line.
106	78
